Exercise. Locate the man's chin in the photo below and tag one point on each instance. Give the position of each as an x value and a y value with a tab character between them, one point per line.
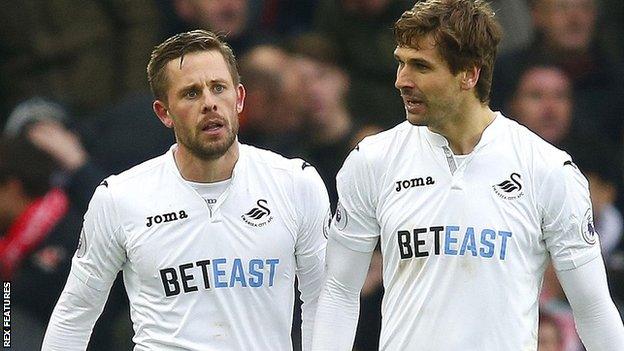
211	151
416	120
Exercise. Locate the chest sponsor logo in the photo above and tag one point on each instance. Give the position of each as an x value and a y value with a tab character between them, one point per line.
453	241
588	231
219	273
165	217
412	183
511	188
258	216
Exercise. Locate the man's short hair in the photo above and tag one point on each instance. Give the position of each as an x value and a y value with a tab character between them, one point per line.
180	45
465	32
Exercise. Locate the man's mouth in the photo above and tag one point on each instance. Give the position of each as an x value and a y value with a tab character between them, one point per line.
212	126
413	103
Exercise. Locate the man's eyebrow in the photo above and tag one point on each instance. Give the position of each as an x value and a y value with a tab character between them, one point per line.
420	61
412	61
196	84
188	87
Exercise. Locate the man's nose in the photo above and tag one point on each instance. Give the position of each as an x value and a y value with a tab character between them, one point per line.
209	104
402	79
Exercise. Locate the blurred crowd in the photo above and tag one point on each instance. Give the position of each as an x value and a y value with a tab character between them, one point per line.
75	107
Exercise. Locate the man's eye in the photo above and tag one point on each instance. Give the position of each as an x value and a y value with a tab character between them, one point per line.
191	94
219	88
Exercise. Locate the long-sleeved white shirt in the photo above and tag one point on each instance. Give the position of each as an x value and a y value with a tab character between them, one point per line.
465	241
200	276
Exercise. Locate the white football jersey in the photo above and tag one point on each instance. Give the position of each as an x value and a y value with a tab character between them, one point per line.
204	276
464	244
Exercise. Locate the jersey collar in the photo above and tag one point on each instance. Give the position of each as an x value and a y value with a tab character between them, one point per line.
238	166
489	134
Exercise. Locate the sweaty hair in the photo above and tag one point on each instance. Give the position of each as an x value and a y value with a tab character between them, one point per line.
180	45
465	33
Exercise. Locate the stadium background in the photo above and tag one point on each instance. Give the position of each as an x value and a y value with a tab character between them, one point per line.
73	83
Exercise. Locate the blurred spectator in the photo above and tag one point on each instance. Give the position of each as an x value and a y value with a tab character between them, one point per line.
237	20
38	235
119	130
362	32
542	101
329	126
271	117
84	53
120	136
549	335
566	33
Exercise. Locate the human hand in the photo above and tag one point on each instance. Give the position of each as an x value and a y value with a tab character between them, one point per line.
63	145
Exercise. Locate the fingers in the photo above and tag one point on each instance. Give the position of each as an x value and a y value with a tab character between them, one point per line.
60	143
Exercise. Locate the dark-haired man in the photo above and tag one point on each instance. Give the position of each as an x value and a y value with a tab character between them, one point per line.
468	207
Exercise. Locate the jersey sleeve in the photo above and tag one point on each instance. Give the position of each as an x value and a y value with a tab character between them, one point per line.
355	222
596	317
95	265
567	220
312	204
313	215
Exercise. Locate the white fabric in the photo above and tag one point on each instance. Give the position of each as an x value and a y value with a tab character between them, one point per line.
210	191
464	251
598	322
345	276
150	223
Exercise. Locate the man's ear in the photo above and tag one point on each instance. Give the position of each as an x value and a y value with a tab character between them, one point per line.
240	98
470	77
163	113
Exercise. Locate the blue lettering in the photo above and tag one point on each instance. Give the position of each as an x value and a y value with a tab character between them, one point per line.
218	272
237	273
272	262
504	236
469	243
448	240
255	267
485	242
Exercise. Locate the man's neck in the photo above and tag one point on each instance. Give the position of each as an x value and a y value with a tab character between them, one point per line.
464	131
200	170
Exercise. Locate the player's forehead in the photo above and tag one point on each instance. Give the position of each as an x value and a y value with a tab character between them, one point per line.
197	66
426	50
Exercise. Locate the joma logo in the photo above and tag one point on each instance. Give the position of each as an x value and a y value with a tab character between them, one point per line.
406	184
165	217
